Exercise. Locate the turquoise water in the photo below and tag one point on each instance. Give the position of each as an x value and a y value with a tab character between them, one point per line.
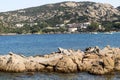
44	44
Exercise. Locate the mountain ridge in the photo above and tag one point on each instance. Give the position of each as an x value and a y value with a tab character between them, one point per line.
62	13
54	7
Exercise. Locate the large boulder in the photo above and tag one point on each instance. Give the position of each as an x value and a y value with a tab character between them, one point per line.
12	63
108	63
102	66
88	60
33	66
107	51
117	62
66	65
97	68
77	59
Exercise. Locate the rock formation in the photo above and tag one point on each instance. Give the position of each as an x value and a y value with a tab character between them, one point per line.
93	60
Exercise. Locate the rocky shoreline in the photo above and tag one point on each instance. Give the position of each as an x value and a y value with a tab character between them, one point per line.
93	60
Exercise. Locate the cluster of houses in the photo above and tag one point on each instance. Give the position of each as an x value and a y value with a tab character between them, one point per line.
75	26
70	27
79	26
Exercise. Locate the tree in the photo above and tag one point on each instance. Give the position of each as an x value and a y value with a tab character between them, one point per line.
116	26
94	26
107	25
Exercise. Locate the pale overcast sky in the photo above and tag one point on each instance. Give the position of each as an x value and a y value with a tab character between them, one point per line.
7	5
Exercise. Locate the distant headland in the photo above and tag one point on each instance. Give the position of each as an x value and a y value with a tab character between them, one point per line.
62	17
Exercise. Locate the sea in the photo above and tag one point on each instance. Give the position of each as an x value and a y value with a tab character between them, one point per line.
41	44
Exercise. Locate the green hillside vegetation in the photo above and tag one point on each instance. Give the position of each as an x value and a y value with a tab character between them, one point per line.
37	19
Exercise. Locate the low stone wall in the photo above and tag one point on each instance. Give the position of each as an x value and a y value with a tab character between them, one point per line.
93	60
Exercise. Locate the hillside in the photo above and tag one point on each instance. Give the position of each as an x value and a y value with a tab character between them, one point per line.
118	8
60	13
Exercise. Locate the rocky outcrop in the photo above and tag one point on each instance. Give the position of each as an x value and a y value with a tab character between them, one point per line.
66	64
93	60
12	63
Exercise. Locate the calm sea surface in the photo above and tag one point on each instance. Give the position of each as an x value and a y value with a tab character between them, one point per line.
44	44
47	43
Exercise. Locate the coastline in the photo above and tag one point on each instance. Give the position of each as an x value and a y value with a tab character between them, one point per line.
10	34
93	60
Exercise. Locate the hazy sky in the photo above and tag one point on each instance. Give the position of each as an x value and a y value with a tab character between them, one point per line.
7	5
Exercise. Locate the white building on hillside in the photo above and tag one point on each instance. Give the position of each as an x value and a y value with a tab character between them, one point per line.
75	26
72	27
19	25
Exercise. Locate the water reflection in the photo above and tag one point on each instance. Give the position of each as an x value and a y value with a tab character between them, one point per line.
56	76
